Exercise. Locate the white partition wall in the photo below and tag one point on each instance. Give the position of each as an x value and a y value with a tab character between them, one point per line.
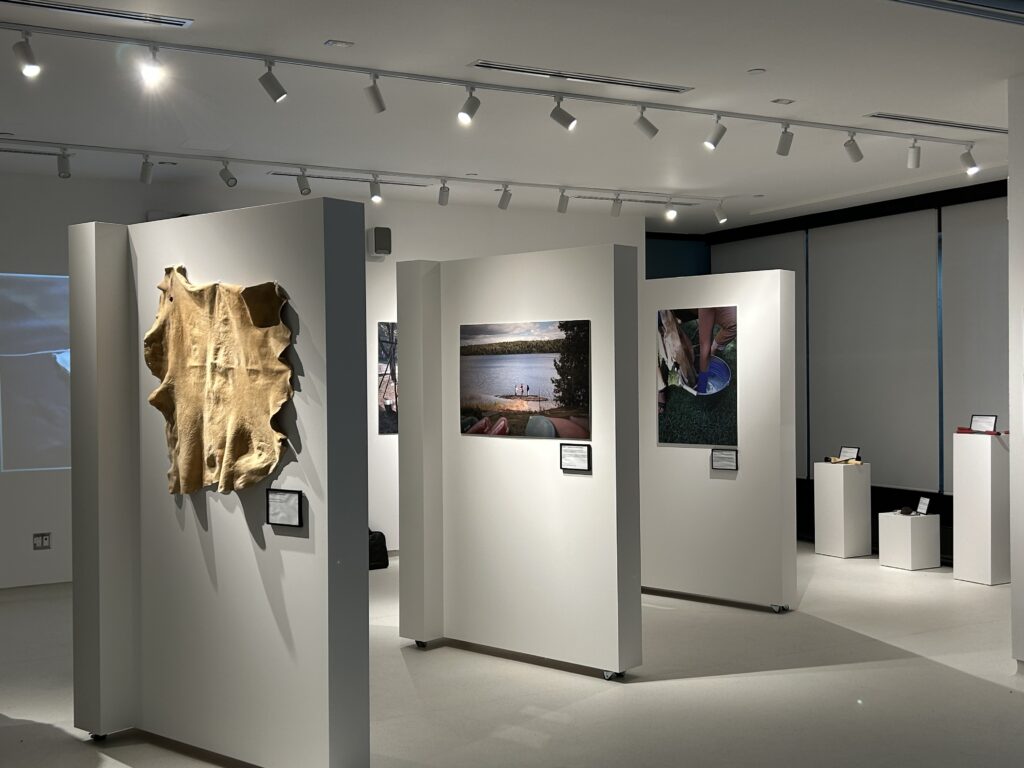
786	251
252	643
534	561
730	536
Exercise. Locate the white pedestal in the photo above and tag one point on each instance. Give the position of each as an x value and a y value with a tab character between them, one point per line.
842	509
981	508
910	542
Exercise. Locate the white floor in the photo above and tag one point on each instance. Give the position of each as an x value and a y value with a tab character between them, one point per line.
878	668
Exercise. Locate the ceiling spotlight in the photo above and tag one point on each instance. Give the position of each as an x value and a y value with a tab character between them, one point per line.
375	194
853	149
967	160
616	206
506	197
227	176
26	57
152	71
469	108
647	128
375	96
563	201
720	213
670	212
146	171
272	85
914	155
303	181
562	117
443	193
64	164
785	141
713	139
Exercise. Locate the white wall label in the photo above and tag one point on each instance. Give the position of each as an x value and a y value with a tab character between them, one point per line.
922	506
849	453
726	459
575	457
983	423
284	507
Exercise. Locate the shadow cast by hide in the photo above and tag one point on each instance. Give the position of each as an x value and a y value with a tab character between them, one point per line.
268	561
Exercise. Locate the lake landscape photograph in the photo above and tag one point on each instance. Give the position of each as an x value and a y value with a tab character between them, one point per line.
527	379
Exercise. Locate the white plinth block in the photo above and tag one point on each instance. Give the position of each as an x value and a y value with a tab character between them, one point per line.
910	542
842	509
981	508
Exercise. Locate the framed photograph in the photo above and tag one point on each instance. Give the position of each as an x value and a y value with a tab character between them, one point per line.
726	459
575	457
284	507
983	423
849	453
697	376
387	378
922	506
529	379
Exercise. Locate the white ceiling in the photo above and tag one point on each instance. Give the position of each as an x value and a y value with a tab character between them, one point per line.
839	60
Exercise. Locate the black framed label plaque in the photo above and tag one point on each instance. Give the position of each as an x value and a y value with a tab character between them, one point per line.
284	507
575	457
982	423
725	459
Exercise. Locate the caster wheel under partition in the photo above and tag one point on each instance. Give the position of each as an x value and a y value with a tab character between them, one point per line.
780	608
614	675
420	644
98	736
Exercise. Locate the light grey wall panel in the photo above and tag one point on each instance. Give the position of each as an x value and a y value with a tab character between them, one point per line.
785	251
974	328
873	345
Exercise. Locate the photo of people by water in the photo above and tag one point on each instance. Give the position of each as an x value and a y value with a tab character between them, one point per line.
697	376
387	378
526	379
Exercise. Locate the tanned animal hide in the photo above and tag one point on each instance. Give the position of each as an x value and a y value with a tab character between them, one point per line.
217	350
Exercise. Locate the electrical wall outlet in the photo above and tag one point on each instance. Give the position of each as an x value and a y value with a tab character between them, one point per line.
41	540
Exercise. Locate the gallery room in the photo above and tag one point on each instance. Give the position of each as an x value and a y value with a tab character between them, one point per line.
670	356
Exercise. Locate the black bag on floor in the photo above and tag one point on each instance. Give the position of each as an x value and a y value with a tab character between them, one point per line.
378	550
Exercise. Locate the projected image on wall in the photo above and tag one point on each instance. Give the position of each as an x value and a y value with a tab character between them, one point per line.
526	379
697	376
35	373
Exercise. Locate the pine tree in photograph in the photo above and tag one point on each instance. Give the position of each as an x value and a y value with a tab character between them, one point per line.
572	387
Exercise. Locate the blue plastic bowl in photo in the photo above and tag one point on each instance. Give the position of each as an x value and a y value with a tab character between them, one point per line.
719	376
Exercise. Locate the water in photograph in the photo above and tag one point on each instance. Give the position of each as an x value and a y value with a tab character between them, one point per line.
485	378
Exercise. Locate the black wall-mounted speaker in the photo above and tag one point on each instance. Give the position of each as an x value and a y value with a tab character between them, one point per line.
380	241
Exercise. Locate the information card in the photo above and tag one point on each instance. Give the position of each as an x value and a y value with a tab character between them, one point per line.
983	423
726	459
575	457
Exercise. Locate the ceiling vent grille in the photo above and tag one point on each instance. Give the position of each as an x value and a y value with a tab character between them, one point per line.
107	13
578	77
936	123
1011	11
355	179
